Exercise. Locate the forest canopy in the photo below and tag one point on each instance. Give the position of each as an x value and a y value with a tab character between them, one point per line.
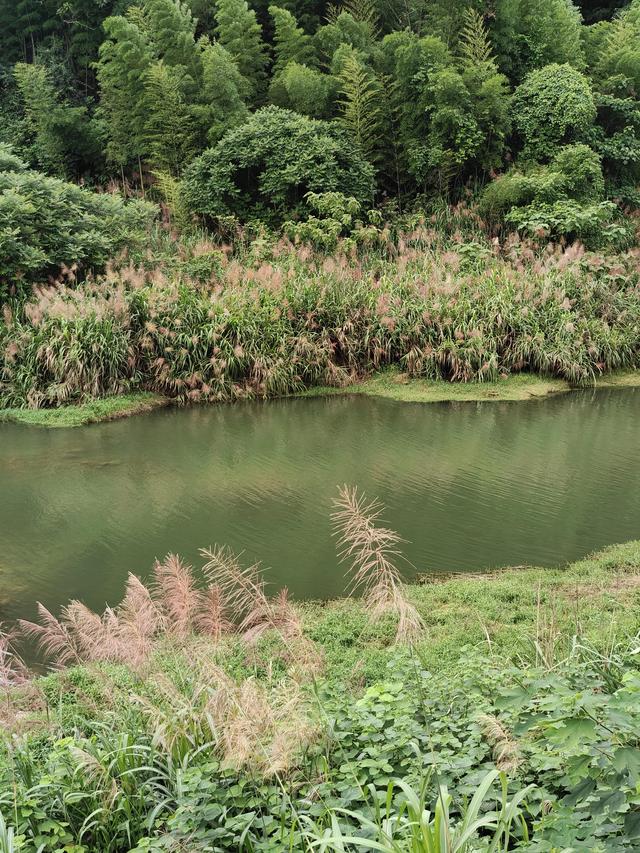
236	108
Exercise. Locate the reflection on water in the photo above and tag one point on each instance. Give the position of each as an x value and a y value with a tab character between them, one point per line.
470	485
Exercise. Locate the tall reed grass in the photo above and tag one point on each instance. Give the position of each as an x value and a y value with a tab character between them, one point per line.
217	326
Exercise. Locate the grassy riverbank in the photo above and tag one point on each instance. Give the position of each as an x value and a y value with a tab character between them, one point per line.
390	384
394	385
276	319
260	738
90	412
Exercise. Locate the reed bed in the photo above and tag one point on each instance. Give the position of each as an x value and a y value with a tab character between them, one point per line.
210	324
232	602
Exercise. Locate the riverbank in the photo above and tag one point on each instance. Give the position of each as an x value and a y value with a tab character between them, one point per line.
90	412
528	672
395	385
390	384
274	322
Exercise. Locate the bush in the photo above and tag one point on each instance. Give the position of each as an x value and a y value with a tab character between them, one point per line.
47	224
553	106
264	168
563	199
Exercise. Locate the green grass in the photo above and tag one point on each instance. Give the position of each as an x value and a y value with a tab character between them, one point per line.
390	384
597	598
394	385
91	412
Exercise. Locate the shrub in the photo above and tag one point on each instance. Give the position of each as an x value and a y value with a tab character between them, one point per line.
303	89
264	168
553	106
47	224
563	199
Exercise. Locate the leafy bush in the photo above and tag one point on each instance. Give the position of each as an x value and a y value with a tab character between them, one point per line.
561	200
265	168
47	224
553	106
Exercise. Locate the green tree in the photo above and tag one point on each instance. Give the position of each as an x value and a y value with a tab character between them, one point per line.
265	168
361	105
125	58
169	132
224	91
553	106
290	42
240	33
344	29
488	89
619	55
66	140
305	90
171	29
528	34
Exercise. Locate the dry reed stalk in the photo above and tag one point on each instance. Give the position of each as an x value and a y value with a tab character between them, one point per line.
372	552
244	592
506	752
176	590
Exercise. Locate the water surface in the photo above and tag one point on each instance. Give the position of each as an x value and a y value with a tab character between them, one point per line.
470	485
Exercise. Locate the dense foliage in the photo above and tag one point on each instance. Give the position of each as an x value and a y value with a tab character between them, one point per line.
48	225
418	99
202	326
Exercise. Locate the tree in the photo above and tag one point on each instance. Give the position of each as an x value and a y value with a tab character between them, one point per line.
344	29
224	91
169	132
291	43
531	33
66	140
264	168
240	33
360	102
620	51
490	100
171	29
553	106
125	58
305	90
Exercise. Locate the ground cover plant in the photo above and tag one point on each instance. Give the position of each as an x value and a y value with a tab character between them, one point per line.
203	713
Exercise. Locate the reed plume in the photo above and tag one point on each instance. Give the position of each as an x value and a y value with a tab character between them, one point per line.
211	619
372	551
53	637
137	620
244	591
176	590
506	752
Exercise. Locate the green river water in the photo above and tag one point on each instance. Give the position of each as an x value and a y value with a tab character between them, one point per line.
469	485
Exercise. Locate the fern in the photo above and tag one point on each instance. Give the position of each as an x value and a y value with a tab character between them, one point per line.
475	45
361	106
